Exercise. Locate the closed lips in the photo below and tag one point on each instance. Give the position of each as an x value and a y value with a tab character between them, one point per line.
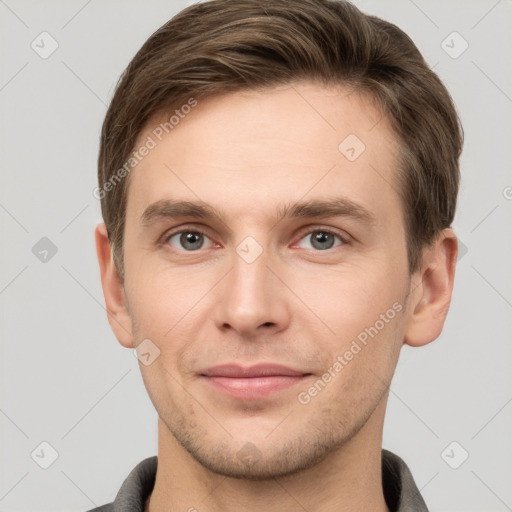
240	372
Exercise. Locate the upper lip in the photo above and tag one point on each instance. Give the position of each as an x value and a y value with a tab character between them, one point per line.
258	370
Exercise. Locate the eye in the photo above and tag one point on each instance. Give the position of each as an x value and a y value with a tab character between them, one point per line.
321	240
189	240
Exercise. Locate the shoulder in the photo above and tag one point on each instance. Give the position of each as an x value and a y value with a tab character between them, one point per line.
400	490
135	489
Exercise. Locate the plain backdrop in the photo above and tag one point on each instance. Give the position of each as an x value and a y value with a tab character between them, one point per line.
67	383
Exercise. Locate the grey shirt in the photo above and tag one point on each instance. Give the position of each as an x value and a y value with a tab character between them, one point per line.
400	491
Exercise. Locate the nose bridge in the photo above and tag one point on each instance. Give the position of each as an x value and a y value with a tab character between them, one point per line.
251	296
249	278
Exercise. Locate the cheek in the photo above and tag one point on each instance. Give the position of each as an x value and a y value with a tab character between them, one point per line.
362	312
163	306
346	302
171	307
365	317
162	299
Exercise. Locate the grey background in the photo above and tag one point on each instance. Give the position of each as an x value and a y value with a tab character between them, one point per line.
64	378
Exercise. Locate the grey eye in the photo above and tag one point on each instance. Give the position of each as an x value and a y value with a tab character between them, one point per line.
188	240
321	240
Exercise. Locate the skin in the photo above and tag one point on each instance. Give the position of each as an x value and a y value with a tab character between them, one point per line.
247	154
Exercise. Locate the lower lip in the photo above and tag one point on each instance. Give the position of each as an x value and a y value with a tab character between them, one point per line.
253	388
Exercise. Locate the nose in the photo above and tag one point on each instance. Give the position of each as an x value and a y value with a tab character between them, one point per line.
252	299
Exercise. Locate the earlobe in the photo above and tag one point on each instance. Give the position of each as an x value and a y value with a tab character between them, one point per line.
113	290
431	291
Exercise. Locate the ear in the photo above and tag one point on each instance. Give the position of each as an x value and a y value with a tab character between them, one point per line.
113	290
431	290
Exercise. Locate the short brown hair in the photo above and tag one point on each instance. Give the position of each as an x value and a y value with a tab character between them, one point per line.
223	46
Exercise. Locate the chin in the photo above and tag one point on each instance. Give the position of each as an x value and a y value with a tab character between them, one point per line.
251	463
262	459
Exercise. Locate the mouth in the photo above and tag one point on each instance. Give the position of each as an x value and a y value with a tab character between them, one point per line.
253	382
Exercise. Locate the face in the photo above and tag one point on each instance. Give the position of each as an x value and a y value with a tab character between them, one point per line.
265	259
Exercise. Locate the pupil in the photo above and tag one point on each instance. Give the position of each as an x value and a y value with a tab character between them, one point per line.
191	240
323	240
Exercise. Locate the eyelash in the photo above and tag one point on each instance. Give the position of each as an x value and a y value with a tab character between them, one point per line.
344	239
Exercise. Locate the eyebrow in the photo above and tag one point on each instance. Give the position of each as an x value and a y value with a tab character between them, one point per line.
338	206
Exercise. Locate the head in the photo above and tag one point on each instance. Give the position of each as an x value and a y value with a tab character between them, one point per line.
278	181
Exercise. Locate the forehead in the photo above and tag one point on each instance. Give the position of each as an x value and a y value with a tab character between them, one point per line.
253	150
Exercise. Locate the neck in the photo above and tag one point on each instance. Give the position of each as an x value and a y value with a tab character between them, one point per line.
349	479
